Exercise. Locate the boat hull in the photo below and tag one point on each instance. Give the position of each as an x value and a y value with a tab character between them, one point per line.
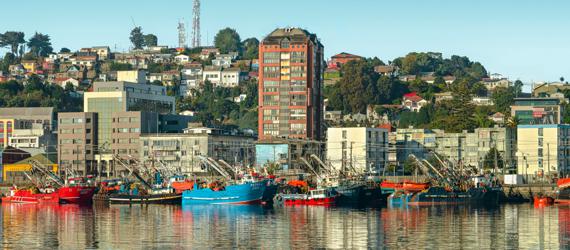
350	195
26	196
563	196
246	193
172	198
76	195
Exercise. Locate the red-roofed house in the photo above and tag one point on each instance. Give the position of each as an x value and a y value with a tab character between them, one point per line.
412	101
339	59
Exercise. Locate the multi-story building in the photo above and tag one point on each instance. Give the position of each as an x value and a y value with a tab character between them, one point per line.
31	128
77	141
291	66
543	149
183	151
286	153
133	76
359	148
461	149
416	141
126	129
537	110
110	97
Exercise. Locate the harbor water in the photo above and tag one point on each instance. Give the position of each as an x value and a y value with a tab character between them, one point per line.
521	226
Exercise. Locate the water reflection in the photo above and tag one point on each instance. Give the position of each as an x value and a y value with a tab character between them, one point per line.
127	227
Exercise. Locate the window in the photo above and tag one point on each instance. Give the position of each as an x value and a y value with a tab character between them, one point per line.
540	142
344	134
285	43
135	130
271	57
540	152
270	100
540	132
270	114
271	72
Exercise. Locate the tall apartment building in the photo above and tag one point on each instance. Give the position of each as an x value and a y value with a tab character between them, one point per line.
359	148
77	141
543	149
291	65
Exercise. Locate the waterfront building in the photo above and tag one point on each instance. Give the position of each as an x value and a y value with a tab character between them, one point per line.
13	173
461	149
290	85
182	150
286	153
359	148
537	110
416	141
543	149
77	141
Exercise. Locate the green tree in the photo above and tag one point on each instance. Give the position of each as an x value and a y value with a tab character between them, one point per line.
490	157
358	86
12	39
518	85
503	98
150	40
227	40
250	48
482	120
461	111
64	50
137	38
7	60
40	44
114	66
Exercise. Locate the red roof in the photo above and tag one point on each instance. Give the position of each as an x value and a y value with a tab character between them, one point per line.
413	96
345	55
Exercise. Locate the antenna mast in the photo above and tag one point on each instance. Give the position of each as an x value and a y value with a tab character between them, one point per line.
196	24
181	34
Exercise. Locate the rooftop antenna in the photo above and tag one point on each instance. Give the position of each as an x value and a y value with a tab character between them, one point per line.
196	24
181	34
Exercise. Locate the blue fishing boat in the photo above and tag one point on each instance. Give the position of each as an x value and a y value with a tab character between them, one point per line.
244	193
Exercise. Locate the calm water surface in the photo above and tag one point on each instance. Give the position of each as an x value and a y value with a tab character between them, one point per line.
160	226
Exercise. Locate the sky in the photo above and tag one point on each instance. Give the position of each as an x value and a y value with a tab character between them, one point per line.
527	40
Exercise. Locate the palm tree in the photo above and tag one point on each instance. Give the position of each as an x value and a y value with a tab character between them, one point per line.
513	121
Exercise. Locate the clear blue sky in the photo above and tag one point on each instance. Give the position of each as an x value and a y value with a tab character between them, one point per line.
520	39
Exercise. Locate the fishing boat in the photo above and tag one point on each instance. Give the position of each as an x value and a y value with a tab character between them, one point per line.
78	190
319	197
350	193
563	192
31	195
248	192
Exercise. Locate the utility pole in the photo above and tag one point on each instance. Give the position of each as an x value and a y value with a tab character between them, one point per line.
547	160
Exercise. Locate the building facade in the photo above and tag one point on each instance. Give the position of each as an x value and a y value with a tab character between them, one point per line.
77	141
537	110
183	151
543	150
291	66
31	128
359	148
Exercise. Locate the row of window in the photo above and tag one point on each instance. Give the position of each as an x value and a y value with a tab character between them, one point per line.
73	120
126	130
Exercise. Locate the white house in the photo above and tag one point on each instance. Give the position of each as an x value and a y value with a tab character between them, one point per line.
223	60
182	59
64	81
230	77
213	74
413	102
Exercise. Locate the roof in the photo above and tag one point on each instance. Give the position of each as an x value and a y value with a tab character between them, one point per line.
23	113
295	35
413	97
498	114
41	158
345	55
212	68
384	68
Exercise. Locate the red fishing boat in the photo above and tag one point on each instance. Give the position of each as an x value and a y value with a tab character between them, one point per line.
319	197
31	196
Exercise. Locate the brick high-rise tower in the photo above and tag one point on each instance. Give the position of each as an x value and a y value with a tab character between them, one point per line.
290	85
